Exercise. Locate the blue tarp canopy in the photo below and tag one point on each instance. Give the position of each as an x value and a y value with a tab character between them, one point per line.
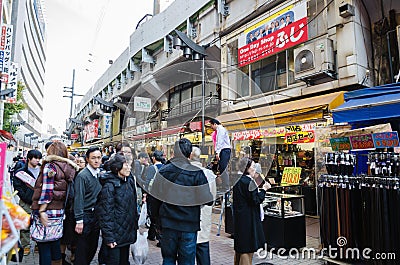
381	102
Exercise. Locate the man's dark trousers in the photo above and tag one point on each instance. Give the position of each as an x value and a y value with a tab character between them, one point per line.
86	245
203	253
224	157
178	246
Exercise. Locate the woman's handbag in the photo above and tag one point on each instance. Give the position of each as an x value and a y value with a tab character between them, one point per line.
51	232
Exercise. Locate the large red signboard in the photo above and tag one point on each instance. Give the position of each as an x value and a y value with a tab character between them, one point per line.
284	29
275	42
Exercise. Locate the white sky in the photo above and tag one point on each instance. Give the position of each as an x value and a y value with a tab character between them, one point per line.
76	28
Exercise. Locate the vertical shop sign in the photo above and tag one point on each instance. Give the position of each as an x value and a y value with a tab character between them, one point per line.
284	29
12	82
291	176
5	47
106	125
386	139
341	143
364	141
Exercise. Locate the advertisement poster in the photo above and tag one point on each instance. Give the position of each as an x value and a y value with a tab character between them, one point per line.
284	29
92	130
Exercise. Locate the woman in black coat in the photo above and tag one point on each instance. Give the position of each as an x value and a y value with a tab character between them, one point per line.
249	234
117	210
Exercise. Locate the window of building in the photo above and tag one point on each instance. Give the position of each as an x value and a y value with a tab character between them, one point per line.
276	71
317	22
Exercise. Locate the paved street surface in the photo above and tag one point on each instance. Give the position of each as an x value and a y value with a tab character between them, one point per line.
222	249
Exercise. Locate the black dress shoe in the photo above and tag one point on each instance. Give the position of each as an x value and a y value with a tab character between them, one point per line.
158	244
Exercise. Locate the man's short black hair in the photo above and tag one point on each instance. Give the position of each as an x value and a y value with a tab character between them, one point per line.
91	150
142	155
159	156
46	146
34	154
183	147
215	121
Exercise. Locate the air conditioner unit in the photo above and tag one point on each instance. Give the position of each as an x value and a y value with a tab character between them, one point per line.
314	62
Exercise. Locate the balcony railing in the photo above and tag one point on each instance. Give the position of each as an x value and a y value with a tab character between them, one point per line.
192	107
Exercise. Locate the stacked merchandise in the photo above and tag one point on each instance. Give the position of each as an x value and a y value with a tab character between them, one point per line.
361	211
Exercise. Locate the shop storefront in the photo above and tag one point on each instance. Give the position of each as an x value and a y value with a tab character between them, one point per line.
362	174
282	138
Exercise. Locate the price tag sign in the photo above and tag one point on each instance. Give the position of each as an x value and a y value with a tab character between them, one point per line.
364	141
386	139
291	176
341	143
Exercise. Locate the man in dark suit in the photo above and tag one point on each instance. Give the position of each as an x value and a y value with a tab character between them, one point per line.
87	187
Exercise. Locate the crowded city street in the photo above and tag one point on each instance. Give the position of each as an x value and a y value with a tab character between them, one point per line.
183	132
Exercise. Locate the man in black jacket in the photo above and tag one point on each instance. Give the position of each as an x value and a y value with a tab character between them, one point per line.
182	188
25	191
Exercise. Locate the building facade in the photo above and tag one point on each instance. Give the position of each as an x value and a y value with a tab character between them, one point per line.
261	55
29	52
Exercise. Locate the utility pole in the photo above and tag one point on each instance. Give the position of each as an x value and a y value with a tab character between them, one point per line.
71	90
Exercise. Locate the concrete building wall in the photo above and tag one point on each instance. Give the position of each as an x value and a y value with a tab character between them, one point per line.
29	51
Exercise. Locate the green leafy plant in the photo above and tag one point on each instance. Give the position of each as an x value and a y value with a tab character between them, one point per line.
13	108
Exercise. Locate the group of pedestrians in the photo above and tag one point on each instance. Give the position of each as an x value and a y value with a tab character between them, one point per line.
101	194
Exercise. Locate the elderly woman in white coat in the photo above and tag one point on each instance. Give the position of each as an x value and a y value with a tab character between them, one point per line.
203	236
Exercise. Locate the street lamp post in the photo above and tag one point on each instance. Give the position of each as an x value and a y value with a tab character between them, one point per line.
41	146
16	124
195	52
26	135
32	138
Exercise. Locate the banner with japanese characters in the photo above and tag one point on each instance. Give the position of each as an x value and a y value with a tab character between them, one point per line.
280	31
5	48
12	82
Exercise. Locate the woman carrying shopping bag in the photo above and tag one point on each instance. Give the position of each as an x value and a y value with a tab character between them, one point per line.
116	210
48	203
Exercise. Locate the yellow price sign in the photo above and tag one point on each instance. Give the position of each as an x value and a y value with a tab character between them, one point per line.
291	176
